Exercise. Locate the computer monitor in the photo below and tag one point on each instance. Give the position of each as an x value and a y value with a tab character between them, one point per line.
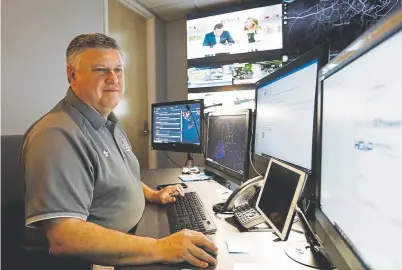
285	111
228	144
177	126
278	197
359	215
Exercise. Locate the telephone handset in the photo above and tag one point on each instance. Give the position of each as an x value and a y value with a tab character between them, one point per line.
247	192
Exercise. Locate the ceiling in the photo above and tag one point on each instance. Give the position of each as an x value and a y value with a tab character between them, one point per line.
170	10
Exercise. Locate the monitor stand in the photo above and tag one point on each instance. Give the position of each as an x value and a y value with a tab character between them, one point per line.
189	167
310	252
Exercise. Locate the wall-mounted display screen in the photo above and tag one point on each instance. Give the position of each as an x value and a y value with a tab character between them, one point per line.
308	23
247	73
233	74
229	100
245	31
209	76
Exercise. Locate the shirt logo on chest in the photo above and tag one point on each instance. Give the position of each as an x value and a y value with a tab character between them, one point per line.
125	144
106	153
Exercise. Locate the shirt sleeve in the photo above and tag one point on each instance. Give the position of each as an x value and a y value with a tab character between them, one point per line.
58	175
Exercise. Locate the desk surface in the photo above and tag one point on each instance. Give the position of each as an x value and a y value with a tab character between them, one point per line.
264	251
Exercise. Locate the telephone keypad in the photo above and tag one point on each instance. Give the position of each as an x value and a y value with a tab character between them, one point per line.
247	215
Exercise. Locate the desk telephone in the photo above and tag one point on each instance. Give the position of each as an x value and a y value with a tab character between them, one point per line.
242	203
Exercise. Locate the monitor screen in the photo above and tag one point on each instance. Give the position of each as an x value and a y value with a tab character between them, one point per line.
309	23
208	76
250	73
361	179
279	195
228	143
285	113
175	128
226	100
231	74
244	31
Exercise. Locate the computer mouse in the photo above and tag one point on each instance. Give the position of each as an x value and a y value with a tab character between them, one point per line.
210	252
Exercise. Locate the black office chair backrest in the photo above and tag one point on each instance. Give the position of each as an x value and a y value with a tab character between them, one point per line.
12	198
15	237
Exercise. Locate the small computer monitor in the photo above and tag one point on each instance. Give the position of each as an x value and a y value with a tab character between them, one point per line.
285	111
177	126
278	197
359	214
228	144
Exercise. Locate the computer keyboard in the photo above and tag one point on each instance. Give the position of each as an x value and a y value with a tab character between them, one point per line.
188	212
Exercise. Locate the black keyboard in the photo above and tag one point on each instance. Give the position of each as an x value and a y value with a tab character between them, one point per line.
188	212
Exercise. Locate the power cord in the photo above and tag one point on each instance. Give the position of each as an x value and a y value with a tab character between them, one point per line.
251	160
172	160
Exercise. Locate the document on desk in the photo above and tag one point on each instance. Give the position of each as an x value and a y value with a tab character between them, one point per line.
249	266
223	191
194	177
238	245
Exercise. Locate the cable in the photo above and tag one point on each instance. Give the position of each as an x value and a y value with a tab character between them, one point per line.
196	128
251	160
172	160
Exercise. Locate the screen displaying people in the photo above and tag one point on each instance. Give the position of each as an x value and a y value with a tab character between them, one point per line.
217	36
257	29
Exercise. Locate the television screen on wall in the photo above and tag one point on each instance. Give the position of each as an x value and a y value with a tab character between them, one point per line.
235	35
232	74
309	23
209	76
250	73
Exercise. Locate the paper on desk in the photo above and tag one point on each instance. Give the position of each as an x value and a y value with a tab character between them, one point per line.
238	245
249	266
225	196
194	177
223	191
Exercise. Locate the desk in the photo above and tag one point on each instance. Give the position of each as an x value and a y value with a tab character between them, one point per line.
154	223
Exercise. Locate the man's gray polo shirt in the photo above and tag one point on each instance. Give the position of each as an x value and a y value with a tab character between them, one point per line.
78	164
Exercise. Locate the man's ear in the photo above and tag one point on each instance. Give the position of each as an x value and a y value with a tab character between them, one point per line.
71	74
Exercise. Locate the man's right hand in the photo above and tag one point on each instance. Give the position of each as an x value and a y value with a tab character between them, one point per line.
185	246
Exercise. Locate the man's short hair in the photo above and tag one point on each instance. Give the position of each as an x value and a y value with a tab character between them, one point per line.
218	26
86	41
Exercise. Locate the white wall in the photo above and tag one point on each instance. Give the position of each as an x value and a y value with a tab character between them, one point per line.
176	72
35	36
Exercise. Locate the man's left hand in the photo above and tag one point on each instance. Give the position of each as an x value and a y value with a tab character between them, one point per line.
167	194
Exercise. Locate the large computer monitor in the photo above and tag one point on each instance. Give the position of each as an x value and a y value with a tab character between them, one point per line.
359	215
228	144
177	126
278	197
236	33
285	111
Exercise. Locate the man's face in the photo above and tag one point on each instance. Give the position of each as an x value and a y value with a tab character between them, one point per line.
218	32
98	79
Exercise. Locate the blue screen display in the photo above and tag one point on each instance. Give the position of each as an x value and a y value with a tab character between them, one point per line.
175	124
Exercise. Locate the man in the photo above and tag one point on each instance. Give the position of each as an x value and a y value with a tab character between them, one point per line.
218	35
83	184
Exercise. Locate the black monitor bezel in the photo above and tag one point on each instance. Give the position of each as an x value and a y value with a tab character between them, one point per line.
178	147
221	170
231	58
339	250
321	53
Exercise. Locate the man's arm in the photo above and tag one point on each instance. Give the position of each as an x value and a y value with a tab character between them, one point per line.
149	193
87	240
229	38
163	196
78	238
206	40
